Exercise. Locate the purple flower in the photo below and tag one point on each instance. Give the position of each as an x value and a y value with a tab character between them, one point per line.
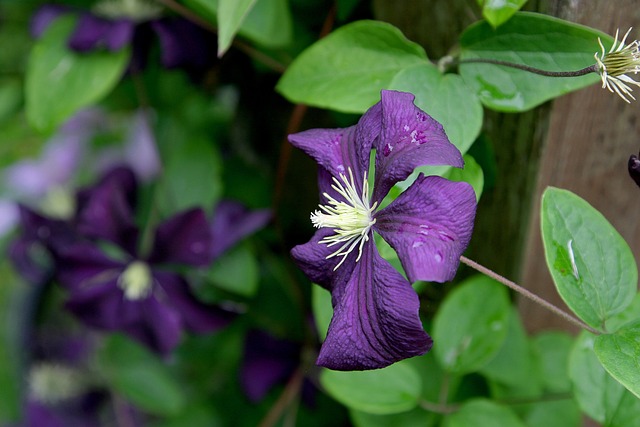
375	321
125	289
113	25
634	169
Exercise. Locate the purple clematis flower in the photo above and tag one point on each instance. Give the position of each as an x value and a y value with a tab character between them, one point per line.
114	24
133	292
375	321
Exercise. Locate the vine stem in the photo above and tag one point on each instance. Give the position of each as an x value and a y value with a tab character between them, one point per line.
524	292
584	71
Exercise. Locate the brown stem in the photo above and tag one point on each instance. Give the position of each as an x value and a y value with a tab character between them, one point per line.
524	292
291	390
590	69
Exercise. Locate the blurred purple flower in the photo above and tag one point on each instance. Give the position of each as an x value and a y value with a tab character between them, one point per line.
113	25
117	287
134	292
634	169
267	361
375	320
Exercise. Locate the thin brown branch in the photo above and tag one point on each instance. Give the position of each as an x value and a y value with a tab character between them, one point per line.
528	294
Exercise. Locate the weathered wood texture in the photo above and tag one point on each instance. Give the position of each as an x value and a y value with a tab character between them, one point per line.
591	135
580	142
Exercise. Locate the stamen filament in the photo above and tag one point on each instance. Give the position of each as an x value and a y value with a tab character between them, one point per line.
351	219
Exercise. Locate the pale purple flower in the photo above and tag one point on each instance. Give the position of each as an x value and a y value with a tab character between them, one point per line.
375	320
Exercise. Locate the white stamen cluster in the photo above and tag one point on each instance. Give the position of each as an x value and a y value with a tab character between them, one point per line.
615	64
351	219
136	281
54	383
136	10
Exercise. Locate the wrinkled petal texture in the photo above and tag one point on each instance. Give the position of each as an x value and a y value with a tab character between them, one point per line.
409	138
429	226
184	239
336	150
231	222
105	211
375	320
311	257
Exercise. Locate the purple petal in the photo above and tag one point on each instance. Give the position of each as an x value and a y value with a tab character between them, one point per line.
196	316
40	237
634	169
120	34
102	305
83	265
89	33
409	138
267	361
336	150
140	149
231	222
183	44
184	238
430	226
311	257
375	319
159	326
105	211
43	17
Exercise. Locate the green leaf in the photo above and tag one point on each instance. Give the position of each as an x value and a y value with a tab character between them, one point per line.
552	356
628	315
414	418
269	24
498	12
139	376
471	325
198	415
619	353
598	394
513	364
59	81
322	309
346	70
592	266
192	169
236	271
445	97
231	13
552	413
529	39
390	390
482	413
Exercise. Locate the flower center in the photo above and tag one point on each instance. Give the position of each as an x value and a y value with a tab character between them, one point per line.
351	219
53	383
615	64
136	280
136	10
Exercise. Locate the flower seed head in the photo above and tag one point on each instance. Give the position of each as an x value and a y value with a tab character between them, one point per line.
613	66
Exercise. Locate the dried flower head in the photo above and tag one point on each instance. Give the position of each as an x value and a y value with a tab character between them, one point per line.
614	65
